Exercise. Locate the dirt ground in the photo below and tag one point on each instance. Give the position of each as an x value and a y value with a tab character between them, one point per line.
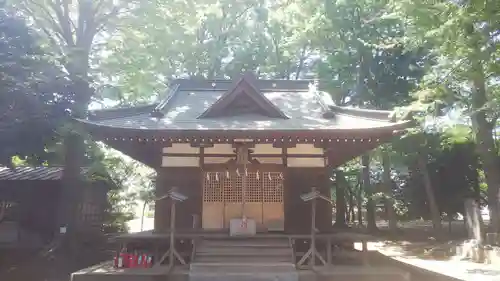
30	265
419	251
427	259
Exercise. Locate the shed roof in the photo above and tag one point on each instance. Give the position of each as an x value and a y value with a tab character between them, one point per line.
33	173
281	105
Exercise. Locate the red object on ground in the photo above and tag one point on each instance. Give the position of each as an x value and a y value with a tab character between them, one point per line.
124	260
132	261
149	261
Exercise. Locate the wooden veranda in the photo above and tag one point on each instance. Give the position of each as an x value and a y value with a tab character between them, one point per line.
329	244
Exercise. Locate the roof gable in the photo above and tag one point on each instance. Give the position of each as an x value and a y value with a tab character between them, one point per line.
241	99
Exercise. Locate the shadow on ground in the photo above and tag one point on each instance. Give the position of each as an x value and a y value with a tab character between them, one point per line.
488	272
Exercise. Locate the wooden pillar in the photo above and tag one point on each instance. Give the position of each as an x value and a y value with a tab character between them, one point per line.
324	208
162	207
297	214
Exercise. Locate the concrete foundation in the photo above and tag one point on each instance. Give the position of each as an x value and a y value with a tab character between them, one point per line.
354	273
105	272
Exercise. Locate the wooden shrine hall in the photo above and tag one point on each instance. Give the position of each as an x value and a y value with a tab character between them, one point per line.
243	152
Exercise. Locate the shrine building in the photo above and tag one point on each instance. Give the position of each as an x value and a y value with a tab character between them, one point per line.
244	148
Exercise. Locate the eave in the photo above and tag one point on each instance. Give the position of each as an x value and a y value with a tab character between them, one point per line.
147	133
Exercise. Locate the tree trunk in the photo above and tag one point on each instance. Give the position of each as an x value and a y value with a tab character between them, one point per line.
75	149
387	183
142	214
348	214
359	200
370	205
71	190
485	144
350	211
340	204
300	65
429	191
473	219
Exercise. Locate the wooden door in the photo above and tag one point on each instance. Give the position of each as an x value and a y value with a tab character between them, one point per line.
243	197
252	196
273	210
213	202
233	198
256	195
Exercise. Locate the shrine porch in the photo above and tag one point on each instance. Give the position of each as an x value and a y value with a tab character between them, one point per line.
329	245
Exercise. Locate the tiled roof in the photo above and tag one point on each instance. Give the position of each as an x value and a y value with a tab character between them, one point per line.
33	173
303	104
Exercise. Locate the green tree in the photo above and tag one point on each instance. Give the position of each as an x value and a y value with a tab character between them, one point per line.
70	30
365	64
463	36
34	94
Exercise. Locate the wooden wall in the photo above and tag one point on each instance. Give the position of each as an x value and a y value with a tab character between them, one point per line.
36	208
297	213
189	182
38	205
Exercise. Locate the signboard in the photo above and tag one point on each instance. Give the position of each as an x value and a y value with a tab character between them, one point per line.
242	227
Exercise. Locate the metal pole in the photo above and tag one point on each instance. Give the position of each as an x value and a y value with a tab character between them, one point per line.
313	231
243	189
172	233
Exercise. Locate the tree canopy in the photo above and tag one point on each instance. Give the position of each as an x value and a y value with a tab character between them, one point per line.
34	98
435	59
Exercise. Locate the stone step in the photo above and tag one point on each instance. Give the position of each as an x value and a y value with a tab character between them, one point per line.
258	271
244	251
236	267
242	259
261	243
243	254
244	276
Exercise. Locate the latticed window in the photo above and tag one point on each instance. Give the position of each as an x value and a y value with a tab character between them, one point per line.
91	212
233	189
212	188
253	191
272	187
259	187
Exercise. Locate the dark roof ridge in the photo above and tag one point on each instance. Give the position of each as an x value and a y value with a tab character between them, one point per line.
364	113
110	113
165	103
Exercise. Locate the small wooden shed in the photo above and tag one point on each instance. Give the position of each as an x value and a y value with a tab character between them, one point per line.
29	203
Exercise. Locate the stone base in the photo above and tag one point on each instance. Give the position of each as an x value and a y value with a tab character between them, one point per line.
264	272
243	272
492	255
106	272
480	254
238	227
354	273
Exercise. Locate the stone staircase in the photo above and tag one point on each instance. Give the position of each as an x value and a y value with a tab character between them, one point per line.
239	258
